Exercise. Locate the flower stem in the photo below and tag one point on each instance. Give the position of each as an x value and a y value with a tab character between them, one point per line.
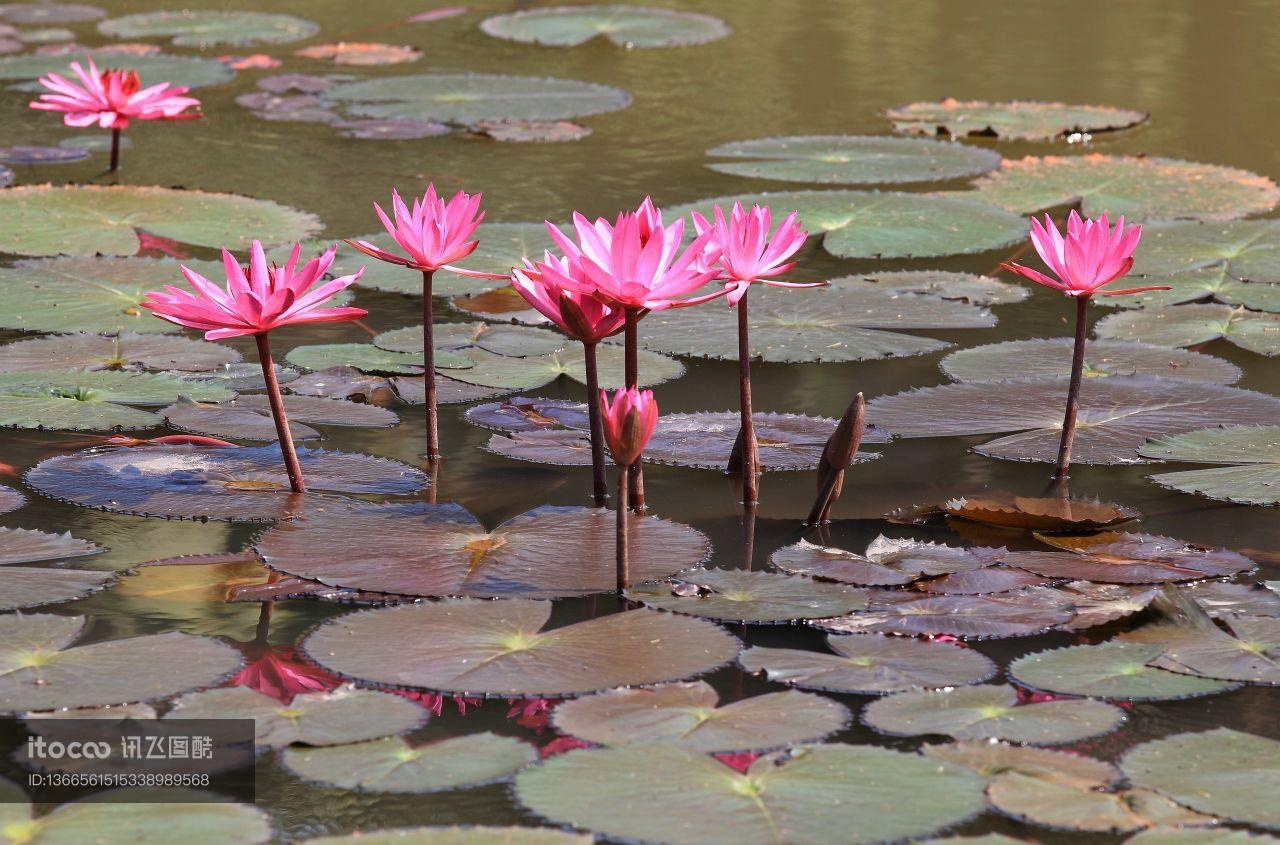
632	379
287	450
1073	392
429	365
624	564
599	488
115	151
751	449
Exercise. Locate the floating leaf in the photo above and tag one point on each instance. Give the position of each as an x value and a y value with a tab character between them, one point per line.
705	440
734	595
128	351
45	13
30	586
970	617
23	545
190	71
448	391
1019	120
534	371
993	760
1116	414
991	712
247	375
502	304
467	97
346	383
361	53
1221	599
478	647
1204	284
1098	604
511	341
367	358
1198	836
468	835
235	484
204	27
1125	558
1246	250
41	155
1251	653
318	718
832	794
526	413
687	715
1223	772
41	670
194	579
557	447
873	224
1065	807
1191	325
1252	455
965	287
870	664
988	579
88	220
1058	513
850	320
392	129
442	550
91	401
393	765
805	558
249	417
852	159
299	108
10	499
1116	670
1051	358
624	26
306	83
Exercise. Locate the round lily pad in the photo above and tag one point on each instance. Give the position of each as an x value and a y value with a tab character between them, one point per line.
687	715
1098	604
994	759
41	670
525	413
94	143
530	131
1127	558
442	550
475	647
735	595
41	155
366	357
392	129
91	401
850	320
1198	836
869	664
1116	670
1250	653
10	499
190	71
393	765
1140	188
886	562
127	351
1065	807
988	579
199	482
1190	325
624	26
247	375
206	27
531	372
946	284
813	795
852	159
1017	614
317	718
511	341
467	835
31	586
1202	284
449	391
1051	358
873	224
249	417
1018	120
1246	250
1223	772
557	447
1116	416
464	98
991	712
89	220
24	545
705	440
1251	455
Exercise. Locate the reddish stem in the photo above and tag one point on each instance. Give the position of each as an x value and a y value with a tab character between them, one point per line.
632	379
1073	392
287	450
115	151
624	563
599	487
429	364
750	447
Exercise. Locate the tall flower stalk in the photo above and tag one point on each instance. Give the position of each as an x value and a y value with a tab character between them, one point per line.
741	250
433	234
257	299
629	422
1091	256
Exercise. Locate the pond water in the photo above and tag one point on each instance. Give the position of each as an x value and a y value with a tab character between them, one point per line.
1200	70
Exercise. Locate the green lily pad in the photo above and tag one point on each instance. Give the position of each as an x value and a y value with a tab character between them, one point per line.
1019	614
91	401
869	664
128	351
31	586
1204	284
468	835
873	224
1016	120
850	320
369	358
1247	250
88	220
687	715
1250	653
476	647
1190	325
1117	414
1065	807
1098	604
315	718
442	550
249	417
1051	358
464	98
40	669
1252	455
510	341
965	287
1222	772
207	28
245	484
623	26
23	545
190	71
393	765
991	712
1115	670
787	441
813	795
735	595
993	760
534	371
852	159
1140	188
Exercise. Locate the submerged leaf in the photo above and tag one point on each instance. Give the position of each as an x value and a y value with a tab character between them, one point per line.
1244	250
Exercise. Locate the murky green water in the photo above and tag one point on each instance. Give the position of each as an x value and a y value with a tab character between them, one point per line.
1206	72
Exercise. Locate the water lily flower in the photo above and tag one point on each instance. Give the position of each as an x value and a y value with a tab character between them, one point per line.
1091	256
629	422
256	300
433	234
741	249
111	99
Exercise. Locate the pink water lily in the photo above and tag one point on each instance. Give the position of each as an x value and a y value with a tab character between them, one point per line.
744	252
1090	257
555	288
433	233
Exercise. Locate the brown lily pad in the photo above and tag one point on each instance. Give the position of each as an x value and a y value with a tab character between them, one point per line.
1124	558
1016	120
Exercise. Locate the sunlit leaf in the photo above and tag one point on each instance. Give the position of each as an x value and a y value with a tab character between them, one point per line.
91	401
361	53
1191	325
1251	454
1114	670
1249	249
734	595
128	351
851	159
624	26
